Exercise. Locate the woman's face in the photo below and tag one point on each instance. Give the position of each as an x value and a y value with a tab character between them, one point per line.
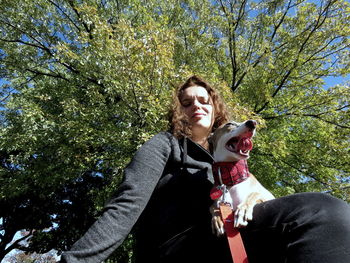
197	105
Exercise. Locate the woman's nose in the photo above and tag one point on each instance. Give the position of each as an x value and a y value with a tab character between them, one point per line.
196	104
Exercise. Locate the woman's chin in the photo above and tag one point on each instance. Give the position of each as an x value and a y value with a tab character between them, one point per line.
201	127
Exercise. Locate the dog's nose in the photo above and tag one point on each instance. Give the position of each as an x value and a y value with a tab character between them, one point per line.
251	124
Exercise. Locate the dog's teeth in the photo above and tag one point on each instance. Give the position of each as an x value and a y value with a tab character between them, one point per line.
243	152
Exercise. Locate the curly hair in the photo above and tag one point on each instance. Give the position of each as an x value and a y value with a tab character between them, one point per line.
178	121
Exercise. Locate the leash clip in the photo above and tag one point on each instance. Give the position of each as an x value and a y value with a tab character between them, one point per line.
224	192
223	188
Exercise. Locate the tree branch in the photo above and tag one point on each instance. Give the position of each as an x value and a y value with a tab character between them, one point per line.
86	26
302	172
327	121
66	15
276	27
40	45
317	116
279	87
319	22
231	40
37	72
25	43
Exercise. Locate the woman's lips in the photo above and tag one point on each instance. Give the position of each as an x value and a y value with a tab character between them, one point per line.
198	115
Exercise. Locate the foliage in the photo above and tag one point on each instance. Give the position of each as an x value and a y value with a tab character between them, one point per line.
85	94
85	83
32	258
274	56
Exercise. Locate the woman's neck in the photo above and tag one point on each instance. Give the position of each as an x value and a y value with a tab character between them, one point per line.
200	136
202	141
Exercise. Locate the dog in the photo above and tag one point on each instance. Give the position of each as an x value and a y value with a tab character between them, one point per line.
231	144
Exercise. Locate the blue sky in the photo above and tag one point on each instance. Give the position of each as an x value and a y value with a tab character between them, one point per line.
332	81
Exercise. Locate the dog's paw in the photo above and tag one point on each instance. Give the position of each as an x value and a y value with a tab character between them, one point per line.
243	214
217	225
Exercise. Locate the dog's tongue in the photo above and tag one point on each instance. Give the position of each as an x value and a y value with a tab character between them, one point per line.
245	144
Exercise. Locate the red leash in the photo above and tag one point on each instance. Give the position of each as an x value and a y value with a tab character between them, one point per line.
233	236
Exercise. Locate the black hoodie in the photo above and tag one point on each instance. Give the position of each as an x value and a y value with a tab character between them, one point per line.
165	195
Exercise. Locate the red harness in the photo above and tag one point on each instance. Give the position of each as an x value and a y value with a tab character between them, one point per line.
230	173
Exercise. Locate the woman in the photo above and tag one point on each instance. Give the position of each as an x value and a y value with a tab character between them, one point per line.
165	195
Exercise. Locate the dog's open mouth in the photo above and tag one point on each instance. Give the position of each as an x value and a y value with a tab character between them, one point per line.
240	145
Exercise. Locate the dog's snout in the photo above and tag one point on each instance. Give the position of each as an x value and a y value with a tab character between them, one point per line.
251	124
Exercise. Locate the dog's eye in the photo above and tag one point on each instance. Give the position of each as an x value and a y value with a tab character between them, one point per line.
229	124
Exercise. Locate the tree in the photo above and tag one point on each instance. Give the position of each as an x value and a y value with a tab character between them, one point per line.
274	56
85	83
85	93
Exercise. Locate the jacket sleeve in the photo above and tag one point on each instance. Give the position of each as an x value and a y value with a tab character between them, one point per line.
123	210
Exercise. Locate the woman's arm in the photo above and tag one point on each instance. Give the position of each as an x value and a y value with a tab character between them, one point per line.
123	210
